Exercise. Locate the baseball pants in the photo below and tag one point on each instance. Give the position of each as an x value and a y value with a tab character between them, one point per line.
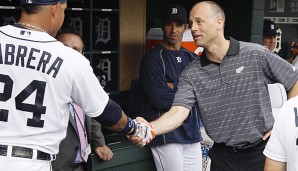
178	157
10	163
17	164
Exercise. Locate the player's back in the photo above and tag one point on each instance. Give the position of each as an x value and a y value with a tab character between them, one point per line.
39	76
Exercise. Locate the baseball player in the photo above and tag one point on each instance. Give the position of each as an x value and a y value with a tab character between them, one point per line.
282	148
39	77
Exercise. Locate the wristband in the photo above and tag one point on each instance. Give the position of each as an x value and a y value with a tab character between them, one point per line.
130	127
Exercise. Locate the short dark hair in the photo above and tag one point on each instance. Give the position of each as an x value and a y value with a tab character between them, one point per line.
31	9
42	2
71	30
34	6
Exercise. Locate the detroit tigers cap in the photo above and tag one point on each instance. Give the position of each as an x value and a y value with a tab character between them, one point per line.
173	12
41	2
269	28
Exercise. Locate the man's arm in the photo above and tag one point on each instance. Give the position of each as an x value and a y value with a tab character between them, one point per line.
272	165
153	79
97	137
98	142
164	124
170	120
115	119
294	91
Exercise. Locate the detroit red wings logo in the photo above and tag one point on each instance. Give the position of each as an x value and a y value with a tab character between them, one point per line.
239	70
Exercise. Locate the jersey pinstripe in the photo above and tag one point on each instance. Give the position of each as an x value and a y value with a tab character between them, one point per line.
283	143
38	80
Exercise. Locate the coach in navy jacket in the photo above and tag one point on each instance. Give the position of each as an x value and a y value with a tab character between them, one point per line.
159	74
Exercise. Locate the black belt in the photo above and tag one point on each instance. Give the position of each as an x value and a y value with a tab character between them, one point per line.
242	147
24	153
76	165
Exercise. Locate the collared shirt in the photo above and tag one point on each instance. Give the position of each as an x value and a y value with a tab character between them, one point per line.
233	97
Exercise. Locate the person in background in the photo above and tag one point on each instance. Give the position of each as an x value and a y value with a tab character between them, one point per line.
40	77
282	148
69	156
180	149
294	53
229	83
269	37
269	34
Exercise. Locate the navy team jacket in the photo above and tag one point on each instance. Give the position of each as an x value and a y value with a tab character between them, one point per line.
159	67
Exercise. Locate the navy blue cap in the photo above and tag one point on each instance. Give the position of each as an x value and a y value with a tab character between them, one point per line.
42	2
269	28
173	12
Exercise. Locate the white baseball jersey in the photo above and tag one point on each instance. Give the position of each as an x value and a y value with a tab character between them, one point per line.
283	143
39	77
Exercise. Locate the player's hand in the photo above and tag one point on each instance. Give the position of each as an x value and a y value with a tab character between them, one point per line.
267	135
144	133
171	85
104	152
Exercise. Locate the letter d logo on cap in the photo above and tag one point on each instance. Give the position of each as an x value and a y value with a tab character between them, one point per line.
174	11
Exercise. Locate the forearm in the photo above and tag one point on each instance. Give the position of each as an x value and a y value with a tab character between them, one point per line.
120	124
155	81
97	137
115	119
170	120
162	98
272	165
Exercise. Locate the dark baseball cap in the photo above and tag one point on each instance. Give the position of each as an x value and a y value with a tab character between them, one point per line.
174	12
41	2
269	28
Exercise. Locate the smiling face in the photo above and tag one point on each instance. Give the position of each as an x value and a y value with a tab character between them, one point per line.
206	24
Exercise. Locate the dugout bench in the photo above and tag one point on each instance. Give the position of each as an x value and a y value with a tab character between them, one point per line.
127	157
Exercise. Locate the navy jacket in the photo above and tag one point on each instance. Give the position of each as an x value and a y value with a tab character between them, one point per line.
159	67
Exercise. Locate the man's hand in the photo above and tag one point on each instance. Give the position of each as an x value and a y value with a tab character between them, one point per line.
144	133
267	135
104	153
171	85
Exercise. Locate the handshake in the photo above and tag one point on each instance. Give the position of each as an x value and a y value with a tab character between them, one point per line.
144	133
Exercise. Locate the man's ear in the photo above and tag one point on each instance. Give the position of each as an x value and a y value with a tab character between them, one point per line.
220	23
54	9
